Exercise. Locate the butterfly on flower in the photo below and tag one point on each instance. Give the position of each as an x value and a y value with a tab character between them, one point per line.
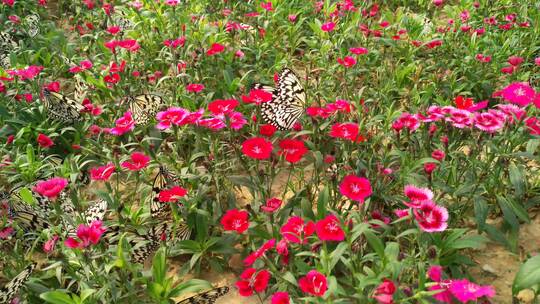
169	231
62	108
144	107
12	288
288	101
32	25
207	297
163	178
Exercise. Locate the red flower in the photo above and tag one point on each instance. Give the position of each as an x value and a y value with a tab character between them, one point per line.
313	283
347	130
329	229
296	230
328	26
272	205
48	246
102	173
257	148
293	150
87	235
171	195
385	292
123	124
51	187
257	96
515	60
53	86
235	220
216	48
175	43
194	87
138	162
222	106
250	259
44	141
113	30
533	124
430	167
112	78
253	281
347	62
267	130
280	297
355	188
267	5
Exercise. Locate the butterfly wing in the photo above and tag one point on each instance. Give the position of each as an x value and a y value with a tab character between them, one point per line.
12	288
32	23
62	108
142	252
207	297
28	217
144	107
81	89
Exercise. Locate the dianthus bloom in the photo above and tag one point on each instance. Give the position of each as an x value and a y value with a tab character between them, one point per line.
123	124
87	235
44	141
417	195
329	229
519	93
267	130
313	283
222	106
176	116
347	130
235	220
431	217
138	161
171	195
250	259
215	48
257	96
488	122
347	61
194	87
103	172
272	205
384	293
253	281
463	290
51	187
292	149
328	26
296	230
355	188
257	148
280	297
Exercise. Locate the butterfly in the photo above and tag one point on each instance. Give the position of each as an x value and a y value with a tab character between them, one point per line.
162	179
95	212
288	100
207	297
12	288
169	231
29	218
61	107
144	107
32	23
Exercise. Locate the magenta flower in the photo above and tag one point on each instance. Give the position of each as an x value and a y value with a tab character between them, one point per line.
358	50
27	73
215	48
431	217
250	259
355	188
347	61
123	124
213	123
253	281
329	229
519	93
488	122
194	87
296	230
328	27
280	297
172	116
465	291
272	205
237	120
51	187
87	235
313	283
138	161
460	118
417	195
102	173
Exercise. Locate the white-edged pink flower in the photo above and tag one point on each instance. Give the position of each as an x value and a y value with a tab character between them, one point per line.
488	122
431	217
417	195
512	111
460	118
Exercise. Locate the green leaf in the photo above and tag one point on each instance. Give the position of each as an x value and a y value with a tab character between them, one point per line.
193	285
481	209
337	254
508	214
159	268
473	241
517	179
26	196
528	275
86	293
375	243
322	202
57	297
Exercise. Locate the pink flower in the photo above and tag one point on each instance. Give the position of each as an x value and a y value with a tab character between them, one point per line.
295	230
27	73
48	246
6	232
172	116
253	281
235	220
347	130
460	118
358	50
280	297
519	93
267	6
138	161
87	235
257	96
272	205
515	60
237	120
355	188
313	283
222	106
329	229
533	124
123	124
488	122
407	120
102	173
44	141
431	217
328	27
466	291
347	62
175	43
438	155
214	123
250	259
51	187
384	293
171	195
194	87
257	148
417	195
216	48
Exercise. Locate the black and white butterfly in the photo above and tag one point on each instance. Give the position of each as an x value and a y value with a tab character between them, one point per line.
207	297
288	101
29	218
62	108
12	288
32	25
144	107
94	212
169	231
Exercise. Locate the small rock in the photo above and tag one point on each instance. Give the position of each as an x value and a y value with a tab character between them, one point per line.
488	268
525	296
